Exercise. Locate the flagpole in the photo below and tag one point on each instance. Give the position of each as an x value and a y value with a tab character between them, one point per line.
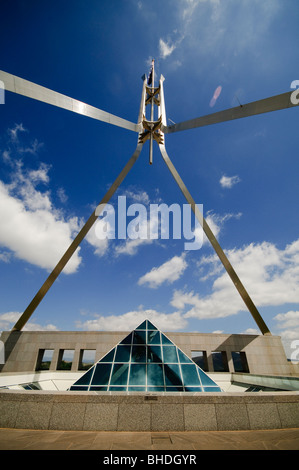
152	112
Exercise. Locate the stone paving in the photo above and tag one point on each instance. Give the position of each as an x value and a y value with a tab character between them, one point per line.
24	439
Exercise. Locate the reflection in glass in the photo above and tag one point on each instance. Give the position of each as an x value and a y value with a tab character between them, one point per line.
122	354
183	358
190	376
172	375
153	337
119	374
139	337
169	354
155	374
101	374
137	374
138	354
154	354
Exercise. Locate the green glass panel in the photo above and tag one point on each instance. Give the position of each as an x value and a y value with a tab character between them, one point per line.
137	374
117	389
165	340
174	389
150	326
190	376
122	353
138	354
153	337
172	375
119	374
155	389
142	326
136	389
154	354
193	389
205	379
170	354
183	358
80	388
85	379
212	389
94	388
109	357
101	374
127	340
155	374
139	337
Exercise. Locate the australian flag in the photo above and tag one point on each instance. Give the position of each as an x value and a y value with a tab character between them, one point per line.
150	77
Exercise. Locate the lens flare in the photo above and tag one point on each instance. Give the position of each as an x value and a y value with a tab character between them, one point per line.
215	96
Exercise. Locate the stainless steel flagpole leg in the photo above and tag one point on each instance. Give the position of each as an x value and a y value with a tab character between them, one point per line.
76	242
229	269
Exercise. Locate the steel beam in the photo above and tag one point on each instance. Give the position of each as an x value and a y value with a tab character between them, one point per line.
267	105
40	93
223	258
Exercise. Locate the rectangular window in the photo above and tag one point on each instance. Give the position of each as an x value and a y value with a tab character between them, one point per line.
87	358
44	359
65	359
200	358
220	361
240	361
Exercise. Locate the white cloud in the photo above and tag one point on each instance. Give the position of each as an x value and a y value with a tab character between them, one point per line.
31	227
229	181
270	275
168	272
166	48
130	320
8	319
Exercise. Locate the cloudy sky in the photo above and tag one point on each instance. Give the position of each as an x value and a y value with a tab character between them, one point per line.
55	166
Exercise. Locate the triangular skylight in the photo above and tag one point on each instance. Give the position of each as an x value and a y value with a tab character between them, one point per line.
146	360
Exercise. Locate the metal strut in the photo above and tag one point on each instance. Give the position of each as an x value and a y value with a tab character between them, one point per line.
83	232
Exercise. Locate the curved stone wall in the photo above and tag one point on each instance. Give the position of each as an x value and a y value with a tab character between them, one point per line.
141	412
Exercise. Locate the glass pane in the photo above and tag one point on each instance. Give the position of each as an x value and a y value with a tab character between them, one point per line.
137	374
150	326
138	354
240	361
155	389
220	361
82	389
117	389
139	337
101	374
183	358
193	389
109	357
85	379
155	375
127	340
98	389
212	389
165	340
170	354
190	376
172	375
135	388
122	353
154	354
174	389
142	326
205	379
119	374
153	337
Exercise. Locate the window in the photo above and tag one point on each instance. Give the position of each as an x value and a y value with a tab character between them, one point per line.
44	359
65	359
200	358
240	361
87	359
220	361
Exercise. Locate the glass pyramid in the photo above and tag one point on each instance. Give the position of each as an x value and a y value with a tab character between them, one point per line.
146	360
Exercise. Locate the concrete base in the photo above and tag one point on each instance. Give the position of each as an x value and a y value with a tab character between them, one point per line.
90	411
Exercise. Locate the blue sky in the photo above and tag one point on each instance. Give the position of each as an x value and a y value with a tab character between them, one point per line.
57	165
